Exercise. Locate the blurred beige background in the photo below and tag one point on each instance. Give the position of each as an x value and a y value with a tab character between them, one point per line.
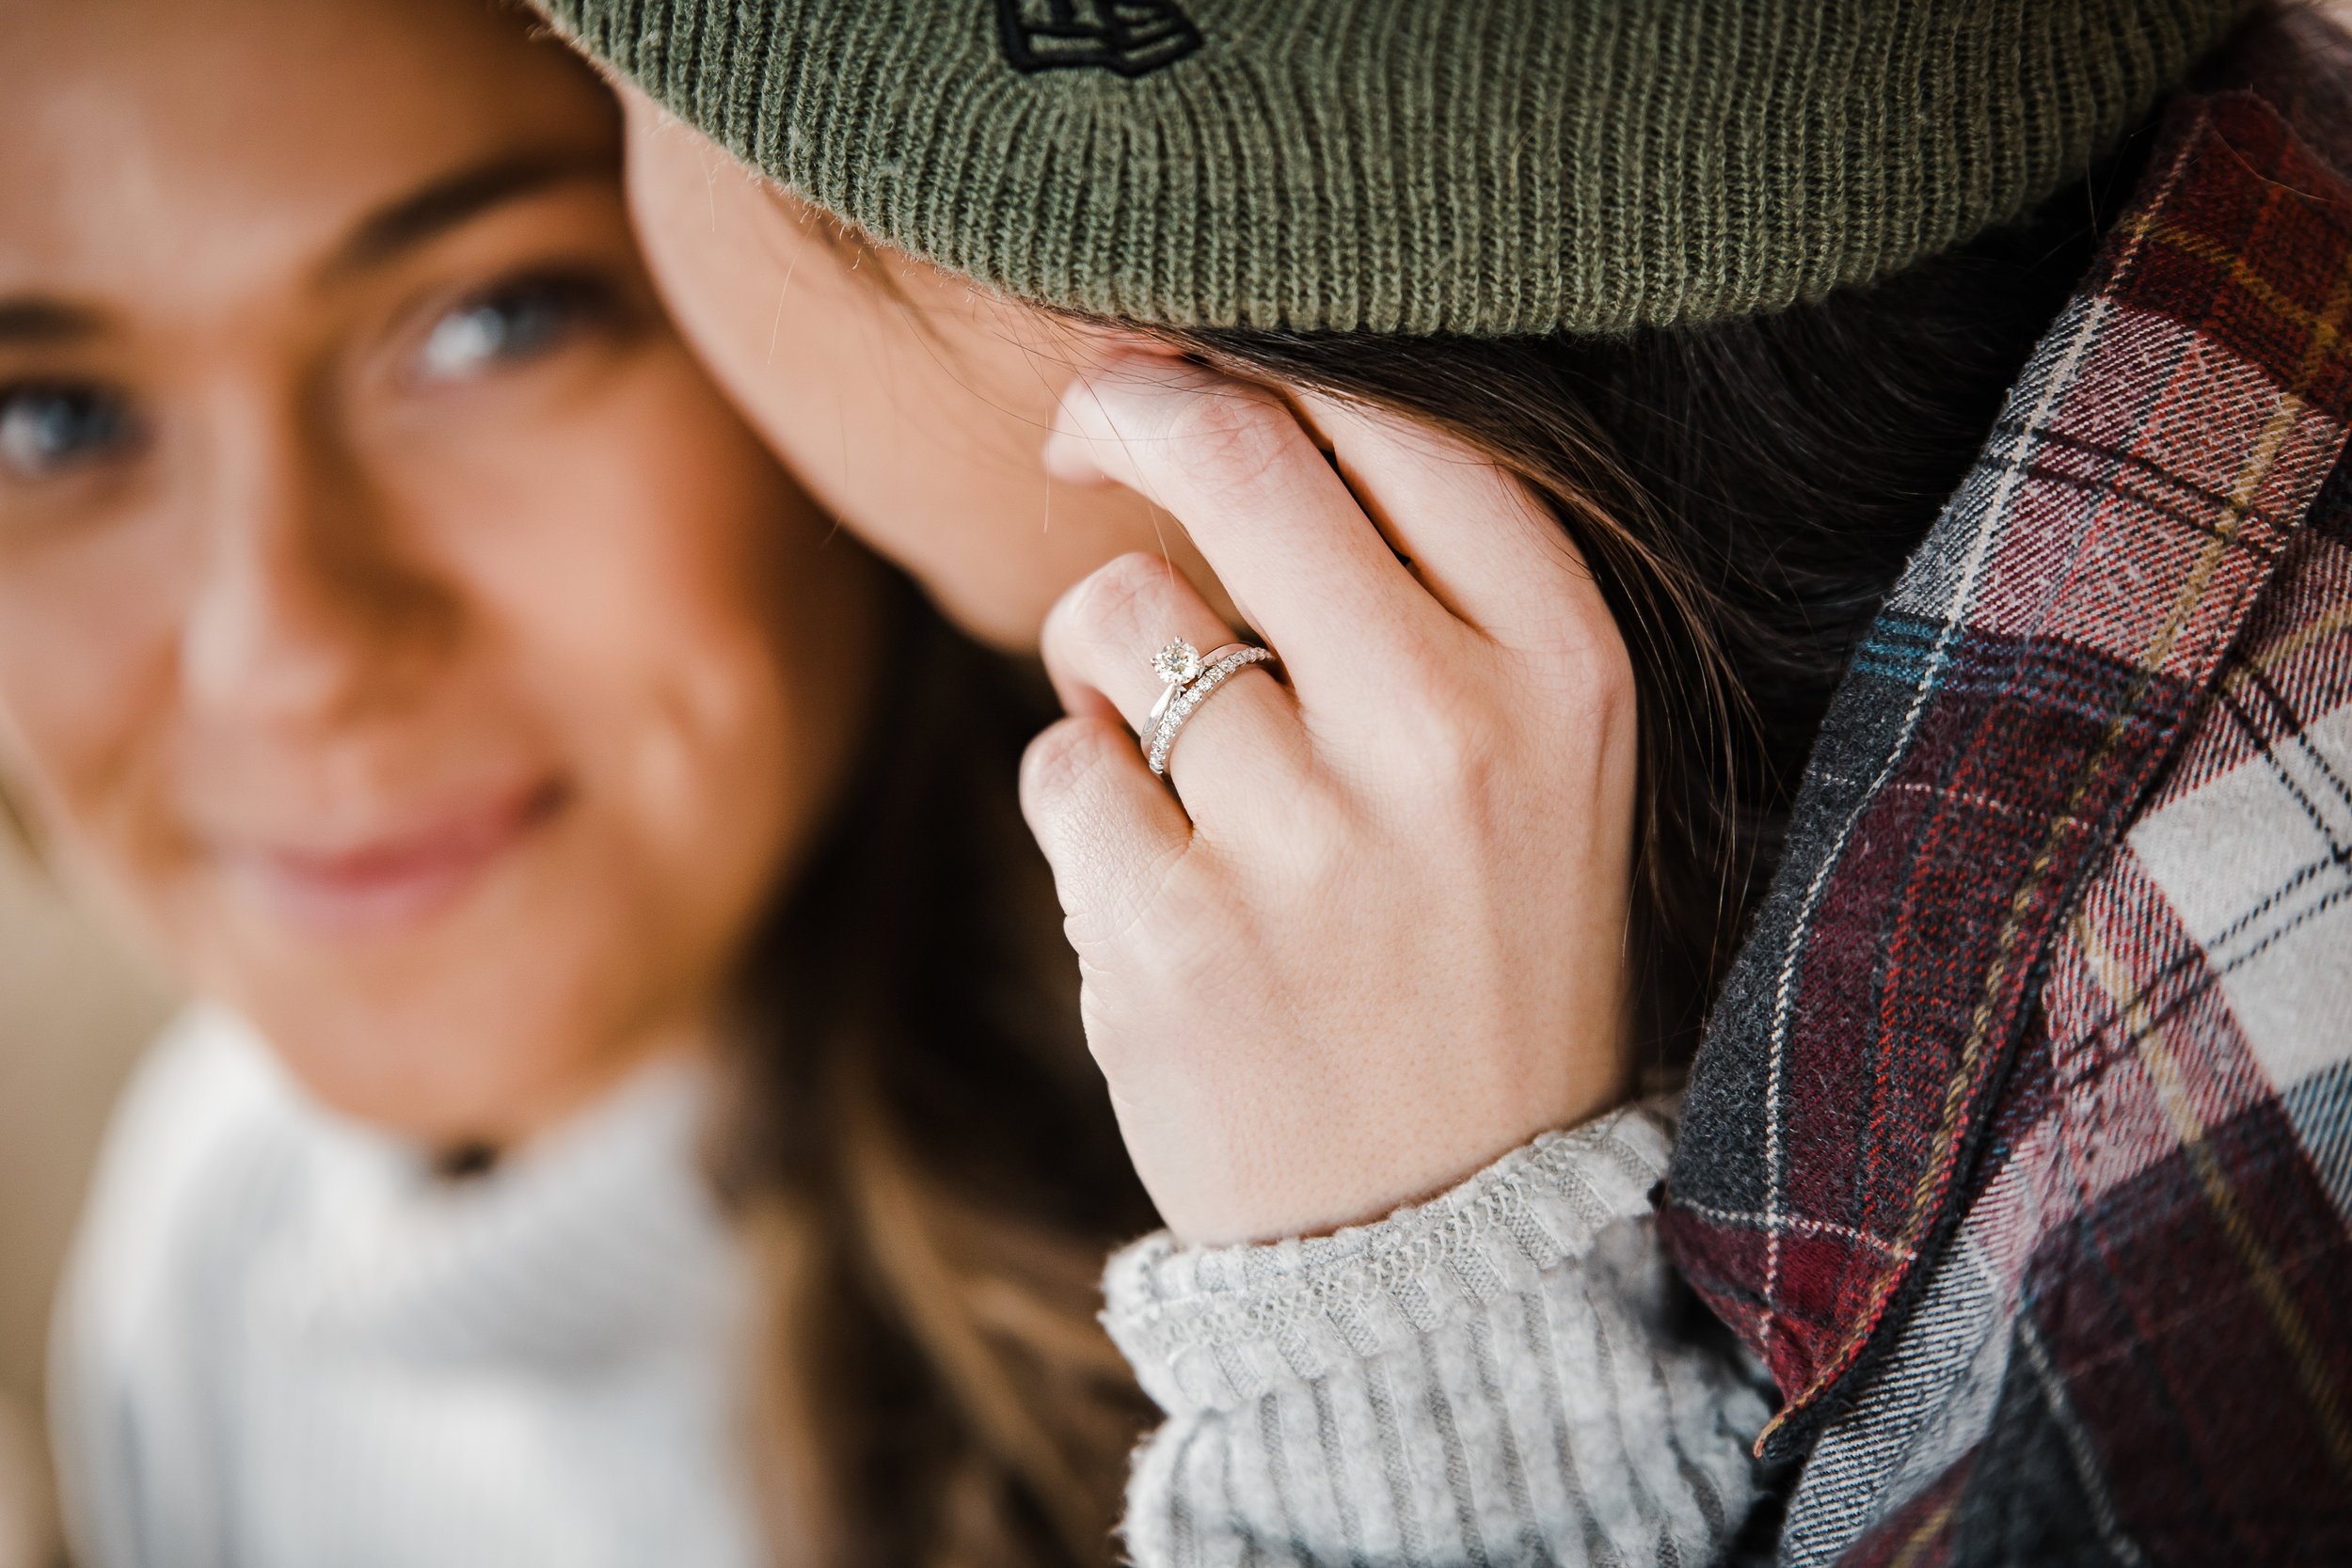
74	1011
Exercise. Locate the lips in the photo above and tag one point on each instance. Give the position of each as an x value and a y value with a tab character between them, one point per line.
392	878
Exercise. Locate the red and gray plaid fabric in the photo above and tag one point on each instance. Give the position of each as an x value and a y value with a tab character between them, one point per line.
2021	1147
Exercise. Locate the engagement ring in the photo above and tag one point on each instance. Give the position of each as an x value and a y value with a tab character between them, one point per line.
1190	678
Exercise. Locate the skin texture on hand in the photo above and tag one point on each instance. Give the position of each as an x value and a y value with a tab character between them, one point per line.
1374	936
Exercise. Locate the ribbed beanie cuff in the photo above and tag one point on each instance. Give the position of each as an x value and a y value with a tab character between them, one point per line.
1412	165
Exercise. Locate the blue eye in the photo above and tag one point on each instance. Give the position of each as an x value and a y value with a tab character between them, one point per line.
47	427
515	323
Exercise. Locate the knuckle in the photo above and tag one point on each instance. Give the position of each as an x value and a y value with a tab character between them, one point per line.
1595	661
1229	438
1583	678
1058	764
1321	850
1608	677
1466	765
1309	835
1454	746
1119	601
1600	688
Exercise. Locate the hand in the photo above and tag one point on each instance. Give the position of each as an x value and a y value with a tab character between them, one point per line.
1374	935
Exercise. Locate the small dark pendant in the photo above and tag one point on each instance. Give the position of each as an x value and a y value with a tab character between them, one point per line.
1133	38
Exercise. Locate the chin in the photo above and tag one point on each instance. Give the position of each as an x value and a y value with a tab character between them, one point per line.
453	1090
999	616
460	1050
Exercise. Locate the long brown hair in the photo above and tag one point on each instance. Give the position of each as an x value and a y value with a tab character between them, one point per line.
927	1160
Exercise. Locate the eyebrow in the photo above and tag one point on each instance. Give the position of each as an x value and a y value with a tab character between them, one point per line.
453	200
32	319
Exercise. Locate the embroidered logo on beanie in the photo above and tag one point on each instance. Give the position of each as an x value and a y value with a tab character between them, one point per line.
1133	38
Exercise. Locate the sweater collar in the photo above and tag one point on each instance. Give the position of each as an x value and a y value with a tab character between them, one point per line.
600	1240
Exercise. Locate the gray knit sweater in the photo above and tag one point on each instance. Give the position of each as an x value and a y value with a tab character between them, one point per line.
1507	1374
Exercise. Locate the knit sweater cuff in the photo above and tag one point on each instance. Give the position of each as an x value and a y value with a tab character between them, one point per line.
1213	1328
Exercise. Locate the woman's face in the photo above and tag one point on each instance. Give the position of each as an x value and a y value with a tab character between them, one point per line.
912	404
393	622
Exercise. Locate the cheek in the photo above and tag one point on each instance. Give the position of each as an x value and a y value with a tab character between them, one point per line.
667	600
717	248
771	309
87	661
914	413
692	759
683	752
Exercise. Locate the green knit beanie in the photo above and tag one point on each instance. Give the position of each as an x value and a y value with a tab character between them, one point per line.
1481	167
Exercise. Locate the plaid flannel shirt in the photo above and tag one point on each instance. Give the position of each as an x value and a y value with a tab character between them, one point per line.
2021	1147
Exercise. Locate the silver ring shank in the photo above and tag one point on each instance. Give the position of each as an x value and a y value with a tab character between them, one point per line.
1217	669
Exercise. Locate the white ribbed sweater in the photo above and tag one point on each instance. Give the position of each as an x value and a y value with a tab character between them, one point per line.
285	1344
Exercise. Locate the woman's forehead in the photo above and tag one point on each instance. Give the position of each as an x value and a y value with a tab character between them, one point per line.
148	139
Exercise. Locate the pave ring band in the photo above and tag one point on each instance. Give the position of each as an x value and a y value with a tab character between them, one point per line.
1190	678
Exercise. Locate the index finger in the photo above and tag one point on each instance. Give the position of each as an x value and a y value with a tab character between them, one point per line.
1234	465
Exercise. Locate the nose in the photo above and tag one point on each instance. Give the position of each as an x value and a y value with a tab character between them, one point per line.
306	609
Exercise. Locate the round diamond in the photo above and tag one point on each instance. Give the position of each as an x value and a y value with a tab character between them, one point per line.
1177	663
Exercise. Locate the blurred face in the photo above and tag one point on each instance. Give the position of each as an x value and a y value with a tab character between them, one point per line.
393	622
913	404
